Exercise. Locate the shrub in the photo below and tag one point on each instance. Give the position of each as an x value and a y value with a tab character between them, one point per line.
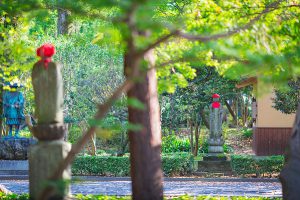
177	164
13	196
74	133
101	165
172	143
244	164
173	164
247	132
204	147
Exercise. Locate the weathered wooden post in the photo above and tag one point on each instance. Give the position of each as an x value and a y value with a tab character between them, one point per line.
45	156
290	174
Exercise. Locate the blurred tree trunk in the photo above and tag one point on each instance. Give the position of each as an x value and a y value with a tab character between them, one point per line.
290	174
230	111
62	22
197	134
145	138
191	134
171	113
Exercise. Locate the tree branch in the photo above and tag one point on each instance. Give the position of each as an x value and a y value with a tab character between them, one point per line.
202	38
232	32
101	113
159	41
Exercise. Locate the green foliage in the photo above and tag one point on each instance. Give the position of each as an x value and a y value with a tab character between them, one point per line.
74	133
287	100
243	165
204	147
100	197
247	132
227	148
173	143
14	196
177	164
101	165
173	164
186	197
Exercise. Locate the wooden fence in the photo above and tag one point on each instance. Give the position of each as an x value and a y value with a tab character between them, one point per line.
270	141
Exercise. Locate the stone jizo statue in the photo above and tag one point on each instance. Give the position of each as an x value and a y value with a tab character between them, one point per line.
51	149
215	140
48	87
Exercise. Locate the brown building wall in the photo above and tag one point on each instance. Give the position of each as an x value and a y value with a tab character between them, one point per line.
271	141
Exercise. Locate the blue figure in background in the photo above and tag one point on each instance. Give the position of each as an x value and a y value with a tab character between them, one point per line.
13	105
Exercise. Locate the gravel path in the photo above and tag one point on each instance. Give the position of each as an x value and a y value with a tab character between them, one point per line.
171	188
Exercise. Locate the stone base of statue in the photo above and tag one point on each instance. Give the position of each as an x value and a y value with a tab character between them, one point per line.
44	158
12	148
212	168
215	162
214	157
215	150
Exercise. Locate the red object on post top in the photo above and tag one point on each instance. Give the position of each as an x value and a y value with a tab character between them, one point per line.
46	51
215	96
216	104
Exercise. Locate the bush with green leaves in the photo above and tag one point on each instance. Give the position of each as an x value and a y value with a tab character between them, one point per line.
259	165
101	165
247	132
173	164
173	143
13	196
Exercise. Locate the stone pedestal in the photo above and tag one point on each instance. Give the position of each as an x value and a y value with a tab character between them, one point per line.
44	159
214	168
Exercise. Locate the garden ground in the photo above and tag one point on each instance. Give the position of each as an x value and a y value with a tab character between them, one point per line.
172	186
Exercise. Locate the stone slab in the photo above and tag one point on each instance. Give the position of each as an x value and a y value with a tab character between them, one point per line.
215	157
215	166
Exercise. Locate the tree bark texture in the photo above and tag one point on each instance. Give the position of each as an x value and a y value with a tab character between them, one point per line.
197	134
192	134
144	144
230	111
290	174
62	22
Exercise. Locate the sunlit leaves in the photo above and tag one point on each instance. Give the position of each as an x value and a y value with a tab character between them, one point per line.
135	103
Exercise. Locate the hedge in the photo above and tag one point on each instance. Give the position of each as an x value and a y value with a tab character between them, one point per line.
102	197
173	164
259	165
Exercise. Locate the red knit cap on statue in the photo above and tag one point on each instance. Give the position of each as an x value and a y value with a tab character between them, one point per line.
215	96
46	51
